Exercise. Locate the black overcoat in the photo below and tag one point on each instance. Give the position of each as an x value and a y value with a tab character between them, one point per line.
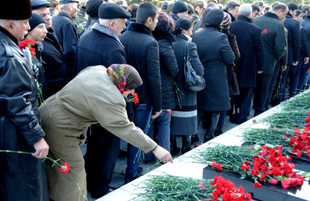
251	49
214	52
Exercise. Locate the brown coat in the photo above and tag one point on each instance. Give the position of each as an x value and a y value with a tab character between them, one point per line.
90	98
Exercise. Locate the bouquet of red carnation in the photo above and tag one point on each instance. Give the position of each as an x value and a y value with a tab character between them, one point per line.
132	98
29	43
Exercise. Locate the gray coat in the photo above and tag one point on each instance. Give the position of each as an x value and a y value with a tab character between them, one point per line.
214	52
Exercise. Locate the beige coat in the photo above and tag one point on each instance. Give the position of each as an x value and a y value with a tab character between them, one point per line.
90	98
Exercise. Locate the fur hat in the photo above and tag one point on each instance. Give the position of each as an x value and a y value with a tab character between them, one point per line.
15	10
214	17
179	7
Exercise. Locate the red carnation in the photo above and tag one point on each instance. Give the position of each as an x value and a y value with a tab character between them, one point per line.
307	118
213	164
65	168
196	144
136	99
265	31
257	185
273	181
219	167
286	183
262	177
169	111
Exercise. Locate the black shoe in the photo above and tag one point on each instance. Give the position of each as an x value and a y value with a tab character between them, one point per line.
174	150
195	138
218	132
206	140
127	180
140	171
233	118
186	149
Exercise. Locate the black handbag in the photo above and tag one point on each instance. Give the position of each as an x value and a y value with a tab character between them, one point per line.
193	82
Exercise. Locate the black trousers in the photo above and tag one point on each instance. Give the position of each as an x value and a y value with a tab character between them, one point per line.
102	151
261	92
243	101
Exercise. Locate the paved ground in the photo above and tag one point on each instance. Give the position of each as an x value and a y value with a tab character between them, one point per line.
121	164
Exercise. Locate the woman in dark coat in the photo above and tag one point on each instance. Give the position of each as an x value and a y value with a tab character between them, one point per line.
168	69
184	117
214	52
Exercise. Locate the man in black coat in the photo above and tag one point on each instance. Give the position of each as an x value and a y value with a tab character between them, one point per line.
66	32
232	8
179	10
251	62
52	54
143	53
101	46
294	42
273	35
20	128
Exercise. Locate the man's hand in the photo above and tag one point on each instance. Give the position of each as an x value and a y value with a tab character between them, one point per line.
156	115
162	154
283	68
41	148
295	63
259	72
306	60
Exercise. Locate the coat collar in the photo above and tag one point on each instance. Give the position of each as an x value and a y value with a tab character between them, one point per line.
3	30
61	13
161	34
141	28
107	31
244	18
288	15
272	15
10	40
182	36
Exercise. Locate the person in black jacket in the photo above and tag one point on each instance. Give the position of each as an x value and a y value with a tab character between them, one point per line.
168	70
274	40
293	40
101	46
251	62
304	54
143	53
179	10
52	53
66	32
20	122
214	52
184	117
232	8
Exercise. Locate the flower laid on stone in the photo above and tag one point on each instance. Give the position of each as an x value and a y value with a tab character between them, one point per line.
175	188
260	163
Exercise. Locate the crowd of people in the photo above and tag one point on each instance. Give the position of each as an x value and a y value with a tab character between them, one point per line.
69	72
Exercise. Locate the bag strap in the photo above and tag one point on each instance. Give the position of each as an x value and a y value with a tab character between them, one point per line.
186	52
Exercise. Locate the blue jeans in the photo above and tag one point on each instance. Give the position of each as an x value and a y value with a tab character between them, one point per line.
143	114
302	76
162	123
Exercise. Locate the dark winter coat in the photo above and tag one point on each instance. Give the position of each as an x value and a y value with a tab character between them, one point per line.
100	46
231	68
66	32
214	52
143	53
293	38
168	67
54	64
20	174
305	23
184	117
251	48
174	16
304	48
273	38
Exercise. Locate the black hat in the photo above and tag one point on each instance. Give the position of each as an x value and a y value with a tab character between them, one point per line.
92	8
68	1
113	11
214	17
183	24
36	4
179	7
22	10
35	20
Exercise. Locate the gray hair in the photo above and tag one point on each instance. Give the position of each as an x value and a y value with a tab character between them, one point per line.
105	22
64	7
245	9
3	22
